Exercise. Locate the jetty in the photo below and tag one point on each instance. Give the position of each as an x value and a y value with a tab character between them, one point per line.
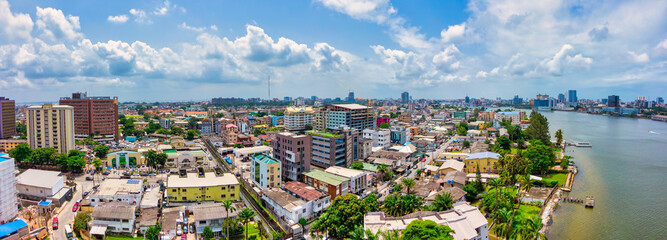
590	202
583	144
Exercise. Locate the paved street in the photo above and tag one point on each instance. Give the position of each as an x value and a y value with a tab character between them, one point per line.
66	216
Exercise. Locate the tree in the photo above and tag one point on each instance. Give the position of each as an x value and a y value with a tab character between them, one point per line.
526	184
372	203
97	163
176	130
398	205
384	125
309	127
76	163
357	165
302	223
538	128
21	152
207	233
382	169
21	129
153	232
190	134
495	183
466	144
229	206
428	229
246	215
559	137
531	229
340	218
398	187
462	129
409	183
443	202
541	157
161	159
81	221
101	151
565	162
45	155
471	192
151	158
503	143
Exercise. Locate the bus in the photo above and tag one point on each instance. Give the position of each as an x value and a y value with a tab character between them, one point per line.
68	231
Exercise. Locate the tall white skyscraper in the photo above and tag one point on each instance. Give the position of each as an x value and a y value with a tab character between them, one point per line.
8	202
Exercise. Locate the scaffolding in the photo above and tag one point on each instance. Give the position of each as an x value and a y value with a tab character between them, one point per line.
8	195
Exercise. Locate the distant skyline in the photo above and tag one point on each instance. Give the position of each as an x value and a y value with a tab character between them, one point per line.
196	50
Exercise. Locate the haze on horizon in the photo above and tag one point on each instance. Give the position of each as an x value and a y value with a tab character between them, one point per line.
182	50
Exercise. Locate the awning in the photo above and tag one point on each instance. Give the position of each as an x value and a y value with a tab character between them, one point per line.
109	168
98	230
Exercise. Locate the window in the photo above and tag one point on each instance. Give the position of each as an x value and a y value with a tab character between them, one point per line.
232	195
183	198
223	195
173	190
202	222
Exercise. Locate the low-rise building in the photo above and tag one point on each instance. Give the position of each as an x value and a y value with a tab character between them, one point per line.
358	179
212	217
286	206
209	186
40	185
486	161
186	159
381	137
249	151
124	159
399	134
466	221
9	144
317	200
515	117
332	184
118	190
265	171
116	217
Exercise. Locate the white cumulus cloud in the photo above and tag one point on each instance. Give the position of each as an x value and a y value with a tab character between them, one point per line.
55	26
118	19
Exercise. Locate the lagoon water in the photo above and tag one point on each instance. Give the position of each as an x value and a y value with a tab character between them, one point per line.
626	171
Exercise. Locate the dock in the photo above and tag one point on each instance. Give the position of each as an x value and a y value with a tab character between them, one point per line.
583	144
590	202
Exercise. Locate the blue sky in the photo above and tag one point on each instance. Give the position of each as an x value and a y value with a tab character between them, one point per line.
195	50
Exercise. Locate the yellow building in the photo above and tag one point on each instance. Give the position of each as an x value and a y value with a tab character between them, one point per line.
487	162
9	144
208	187
51	126
265	171
124	158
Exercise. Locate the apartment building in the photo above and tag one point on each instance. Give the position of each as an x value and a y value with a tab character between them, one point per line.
381	137
116	217
296	118
332	184
8	203
337	116
51	126
265	171
7	118
209	186
515	117
399	134
118	190
329	149
486	116
94	115
294	153
9	144
358	179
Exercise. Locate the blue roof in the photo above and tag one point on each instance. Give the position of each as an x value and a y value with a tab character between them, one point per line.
45	203
133	181
11	227
483	155
4	157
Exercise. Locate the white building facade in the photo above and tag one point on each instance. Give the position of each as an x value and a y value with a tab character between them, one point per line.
8	203
380	137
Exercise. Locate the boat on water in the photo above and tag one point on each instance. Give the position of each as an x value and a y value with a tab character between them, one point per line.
583	144
652	132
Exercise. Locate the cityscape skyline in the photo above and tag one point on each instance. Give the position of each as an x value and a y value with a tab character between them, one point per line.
162	50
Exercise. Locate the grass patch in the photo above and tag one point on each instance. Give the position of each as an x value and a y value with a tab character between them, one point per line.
527	211
560	177
514	151
324	134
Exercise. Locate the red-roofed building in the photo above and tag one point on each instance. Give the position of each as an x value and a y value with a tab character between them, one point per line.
304	191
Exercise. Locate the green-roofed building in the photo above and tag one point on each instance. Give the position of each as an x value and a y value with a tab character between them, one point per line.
265	171
327	182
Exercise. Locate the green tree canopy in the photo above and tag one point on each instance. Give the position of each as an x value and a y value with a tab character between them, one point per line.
384	125
21	152
207	233
101	151
340	218
428	229
538	128
153	232
443	202
357	165
540	156
190	134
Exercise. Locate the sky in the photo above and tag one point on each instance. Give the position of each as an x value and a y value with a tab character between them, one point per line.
194	50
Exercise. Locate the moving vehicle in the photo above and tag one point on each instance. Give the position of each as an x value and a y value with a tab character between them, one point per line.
68	231
55	223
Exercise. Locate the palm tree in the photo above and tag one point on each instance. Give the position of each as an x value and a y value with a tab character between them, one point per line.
303	222
526	184
495	183
389	235
442	202
532	229
408	182
501	227
245	215
382	169
391	205
228	207
398	187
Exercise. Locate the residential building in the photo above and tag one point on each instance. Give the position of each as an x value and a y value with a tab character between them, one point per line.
51	126
381	137
186	158
331	184
209	186
460	116
296	118
7	118
249	151
466	221
486	116
381	120
336	116
205	127
357	179
294	153
516	117
40	185
15	230
8	194
94	115
486	161
414	131
118	190
405	118
287	207
399	134
212	217
405	97
165	123
317	201
115	217
9	144
330	149
265	171
613	101
364	148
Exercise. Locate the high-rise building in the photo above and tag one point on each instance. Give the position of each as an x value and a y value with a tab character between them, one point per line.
293	151
561	98
314	98
94	115
7	118
405	97
517	100
8	203
660	100
613	101
296	118
336	116
572	97
350	97
51	126
467	99
334	149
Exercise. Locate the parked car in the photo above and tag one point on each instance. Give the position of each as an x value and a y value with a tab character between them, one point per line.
89	178
192	228
105	173
55	223
144	174
126	174
76	207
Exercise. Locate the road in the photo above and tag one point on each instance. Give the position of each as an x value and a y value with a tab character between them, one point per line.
66	216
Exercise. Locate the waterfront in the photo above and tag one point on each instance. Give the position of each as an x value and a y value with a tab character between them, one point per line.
624	170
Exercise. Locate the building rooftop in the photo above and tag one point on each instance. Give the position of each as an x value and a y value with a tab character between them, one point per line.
266	159
111	187
326	177
193	180
282	198
202	213
304	191
508	113
324	134
453	164
483	155
251	150
351	106
4	157
114	210
11	227
344	172
292	110
39	178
